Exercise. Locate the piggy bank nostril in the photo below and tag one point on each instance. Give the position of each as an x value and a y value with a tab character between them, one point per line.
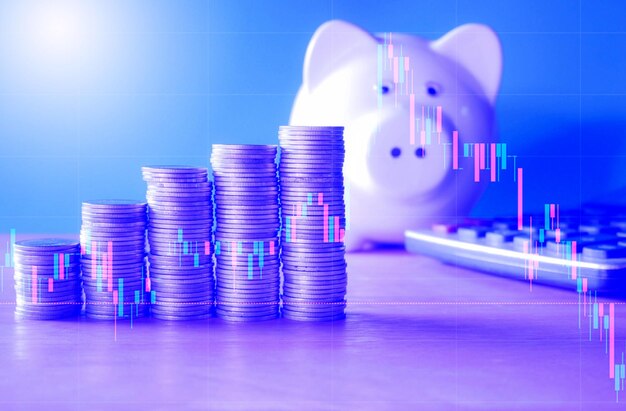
395	152
420	153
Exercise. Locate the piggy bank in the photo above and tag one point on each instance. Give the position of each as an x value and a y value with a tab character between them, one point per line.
415	114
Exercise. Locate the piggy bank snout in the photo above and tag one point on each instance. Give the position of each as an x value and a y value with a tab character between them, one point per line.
402	167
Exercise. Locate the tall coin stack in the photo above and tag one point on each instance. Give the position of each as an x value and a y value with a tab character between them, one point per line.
180	230
246	235
47	279
313	222
113	250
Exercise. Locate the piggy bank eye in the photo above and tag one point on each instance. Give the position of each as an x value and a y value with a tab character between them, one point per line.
384	88
433	89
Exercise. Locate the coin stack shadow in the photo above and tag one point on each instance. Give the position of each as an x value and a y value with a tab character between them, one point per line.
313	218
180	229
113	251
47	279
246	235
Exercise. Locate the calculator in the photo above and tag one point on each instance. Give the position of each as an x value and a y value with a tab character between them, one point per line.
583	250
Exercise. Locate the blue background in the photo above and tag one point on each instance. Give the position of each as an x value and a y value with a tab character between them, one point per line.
160	81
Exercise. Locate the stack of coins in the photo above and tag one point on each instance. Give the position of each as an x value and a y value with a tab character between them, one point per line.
180	211
113	249
47	279
313	218
246	236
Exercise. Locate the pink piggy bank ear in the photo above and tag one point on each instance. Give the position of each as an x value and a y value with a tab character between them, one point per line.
477	48
332	44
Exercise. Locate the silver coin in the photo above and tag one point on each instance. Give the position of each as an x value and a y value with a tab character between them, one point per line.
174	169
225	173
261	196
175	225
185	247
313	136
172	204
243	299
316	294
312	312
256	170
243	308
114	272
47	258
310	169
231	179
314	272
261	154
155	180
96	236
315	190
157	266
157	247
185	300
245	201
244	279
114	204
111	220
328	318
248	208
251	286
252	235
175	313
130	285
243	258
244	147
243	157
302	279
244	271
316	247
46	244
293	266
239	314
114	228
236	189
237	218
227	251
246	226
155	177
307	239
231	269
294	156
247	290
185	225
196	238
327	284
176	231
243	312
115	244
297	182
234	318
268	182
286	176
197	217
298	128
266	275
171	188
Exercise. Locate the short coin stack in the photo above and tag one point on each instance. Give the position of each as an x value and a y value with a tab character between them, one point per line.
180	211
247	227
313	218
47	279
113	250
